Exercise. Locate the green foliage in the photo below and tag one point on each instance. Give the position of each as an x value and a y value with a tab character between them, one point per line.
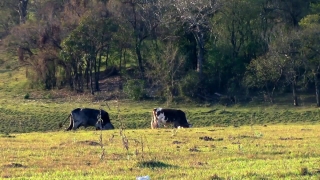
189	85
153	164
27	96
135	89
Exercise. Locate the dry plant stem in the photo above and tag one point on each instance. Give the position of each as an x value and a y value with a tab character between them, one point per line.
125	141
100	121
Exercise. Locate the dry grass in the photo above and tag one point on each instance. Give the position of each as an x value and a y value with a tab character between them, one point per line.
247	152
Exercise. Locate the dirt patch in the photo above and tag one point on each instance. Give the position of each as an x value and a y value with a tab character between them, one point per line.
154	164
13	165
194	149
215	129
90	143
290	138
176	142
109	87
207	138
7	136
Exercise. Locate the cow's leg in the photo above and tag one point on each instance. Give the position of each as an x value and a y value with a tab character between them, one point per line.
76	125
154	124
71	124
154	121
99	125
176	124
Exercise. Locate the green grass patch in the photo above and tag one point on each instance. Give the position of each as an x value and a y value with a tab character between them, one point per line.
246	152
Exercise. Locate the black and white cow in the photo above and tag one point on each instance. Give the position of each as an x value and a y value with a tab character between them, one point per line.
169	116
89	117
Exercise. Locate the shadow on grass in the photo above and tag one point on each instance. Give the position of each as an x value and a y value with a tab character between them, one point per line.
7	135
154	164
4	70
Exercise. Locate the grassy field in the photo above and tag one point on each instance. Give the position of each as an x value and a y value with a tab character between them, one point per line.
18	115
252	141
246	152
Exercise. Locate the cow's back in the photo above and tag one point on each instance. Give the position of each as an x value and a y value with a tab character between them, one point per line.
174	114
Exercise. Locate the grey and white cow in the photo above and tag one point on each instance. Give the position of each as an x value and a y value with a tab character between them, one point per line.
89	117
169	116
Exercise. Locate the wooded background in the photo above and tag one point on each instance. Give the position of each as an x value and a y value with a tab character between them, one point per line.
172	48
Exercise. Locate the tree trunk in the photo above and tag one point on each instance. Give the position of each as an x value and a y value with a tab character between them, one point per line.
22	10
120	59
138	52
124	59
200	43
294	94
87	76
91	79
97	77
316	81
107	57
80	79
269	95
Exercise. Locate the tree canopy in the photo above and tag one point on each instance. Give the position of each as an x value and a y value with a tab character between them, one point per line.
178	48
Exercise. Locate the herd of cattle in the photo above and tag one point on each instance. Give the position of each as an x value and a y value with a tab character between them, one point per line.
101	121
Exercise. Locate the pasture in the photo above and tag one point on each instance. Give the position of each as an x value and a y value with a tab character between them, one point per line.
245	152
253	141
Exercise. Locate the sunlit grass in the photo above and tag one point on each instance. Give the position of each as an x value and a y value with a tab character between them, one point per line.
247	152
234	142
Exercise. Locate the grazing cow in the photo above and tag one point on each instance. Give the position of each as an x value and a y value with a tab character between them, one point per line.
167	116
89	117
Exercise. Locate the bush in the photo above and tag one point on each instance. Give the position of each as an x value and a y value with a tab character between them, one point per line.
189	85
27	96
134	89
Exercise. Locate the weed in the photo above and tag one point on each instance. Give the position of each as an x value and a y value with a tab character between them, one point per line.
304	171
48	96
100	121
153	164
27	96
215	177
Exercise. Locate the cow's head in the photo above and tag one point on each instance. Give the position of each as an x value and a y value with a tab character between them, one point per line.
158	114
106	126
157	117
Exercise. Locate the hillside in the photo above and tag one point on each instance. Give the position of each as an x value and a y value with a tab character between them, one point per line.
23	109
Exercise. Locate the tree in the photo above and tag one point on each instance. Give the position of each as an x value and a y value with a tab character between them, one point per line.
287	12
287	46
265	72
195	16
170	62
311	46
143	17
83	48
235	40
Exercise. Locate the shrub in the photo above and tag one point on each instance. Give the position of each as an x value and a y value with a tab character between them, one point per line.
134	89
189	85
27	96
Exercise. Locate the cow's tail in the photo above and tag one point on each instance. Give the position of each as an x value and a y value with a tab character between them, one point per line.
61	124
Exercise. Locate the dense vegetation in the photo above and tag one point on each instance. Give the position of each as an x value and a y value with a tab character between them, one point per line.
234	66
168	49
